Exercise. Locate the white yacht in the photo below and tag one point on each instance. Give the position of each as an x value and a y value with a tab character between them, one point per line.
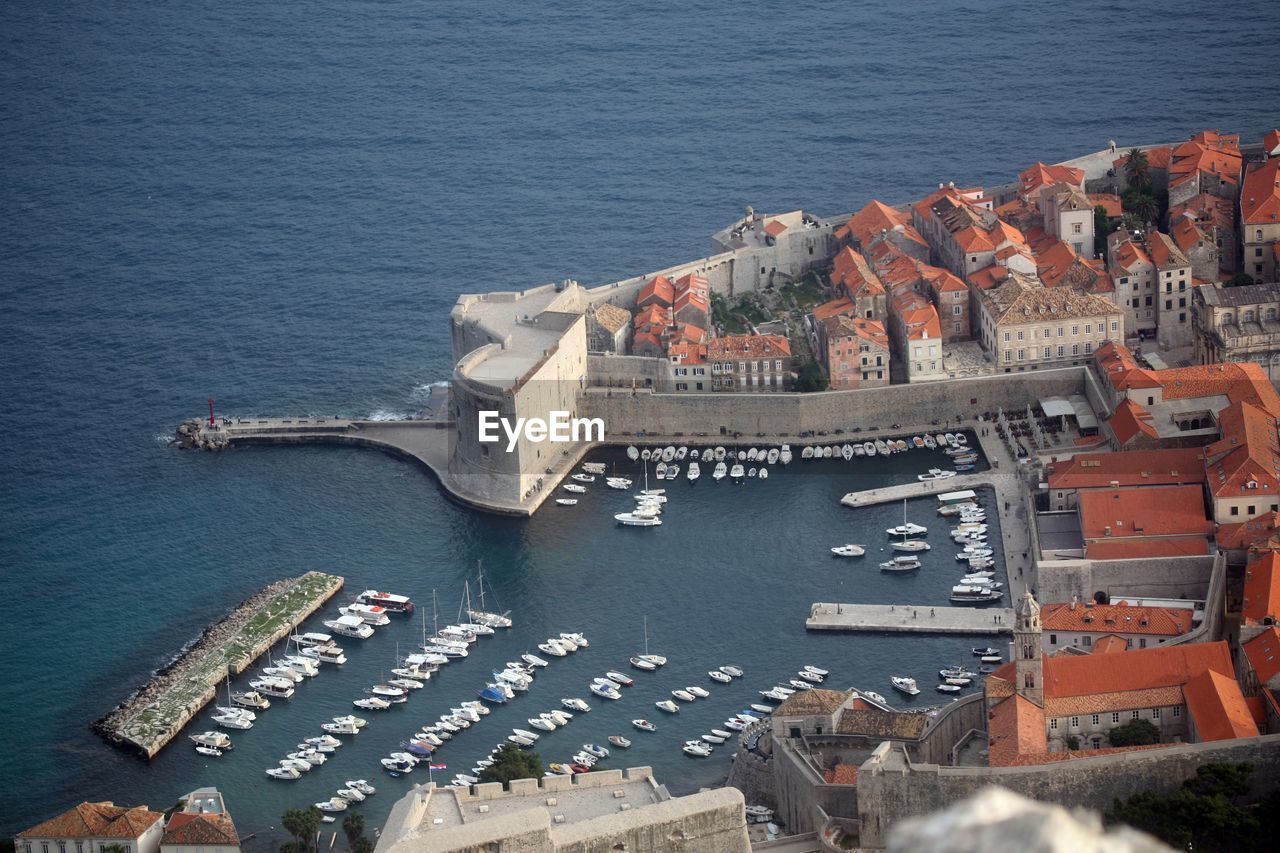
567	501
905	685
720	471
632	519
912	545
737	471
350	626
695	471
574	488
325	654
668	706
900	564
784	455
848	550
213	739
371	614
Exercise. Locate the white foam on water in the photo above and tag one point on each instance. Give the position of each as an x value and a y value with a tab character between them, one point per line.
384	415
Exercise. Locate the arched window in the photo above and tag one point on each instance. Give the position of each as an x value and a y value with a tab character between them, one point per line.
1028	651
1028	680
1257	235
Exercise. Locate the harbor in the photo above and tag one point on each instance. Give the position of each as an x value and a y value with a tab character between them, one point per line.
147	721
909	618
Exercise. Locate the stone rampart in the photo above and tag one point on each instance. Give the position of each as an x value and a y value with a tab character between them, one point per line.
1167	577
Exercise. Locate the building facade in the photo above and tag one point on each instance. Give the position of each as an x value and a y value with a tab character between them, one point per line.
1026	327
1260	220
751	363
857	353
1239	324
92	828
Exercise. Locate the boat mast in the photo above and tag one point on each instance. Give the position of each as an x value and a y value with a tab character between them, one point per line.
480	583
646	635
435	616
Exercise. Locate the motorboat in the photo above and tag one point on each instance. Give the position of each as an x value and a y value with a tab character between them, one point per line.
959	680
283	773
773	694
717	675
305	665
605	692
312	756
350	626
948	688
397	767
644	725
406	683
698	692
385	691
296	764
683	695
660	471
640	663
635	519
908	529
560	718
584	478
619	483
733	671
323	741
388	601
667	705
351	795
551	647
232	721
696	751
905	685
284	672
540	723
955	671
800	685
935	474
534	660
619	678
983	651
810	676
848	550
778	688
574	488
620	741
372	703
224	711
763	709
971	594
806	452
722	733
595	749
567	501
784	455
720	471
593	467
326	654
719	454
912	545
713	739
817	671
525	733
212	740
847	452
362	786
633	453
370	614
900	564
574	704
763	473
991	659
668	453
735	725
311	639
694	472
737	472
565	642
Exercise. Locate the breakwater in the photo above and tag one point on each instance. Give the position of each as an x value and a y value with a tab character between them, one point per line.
150	718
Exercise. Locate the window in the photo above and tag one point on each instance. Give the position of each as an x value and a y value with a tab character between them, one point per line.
1114	327
1008	356
682	386
1060	331
1075	330
1022	355
1053	724
1006	337
1053	638
1134	715
1088	328
1235	510
1097	742
1095	719
1115	716
742	367
1177	711
1062	351
1155	713
1019	335
1257	253
777	365
957	310
79	847
1076	228
1046	352
1075	722
1075	349
1088	641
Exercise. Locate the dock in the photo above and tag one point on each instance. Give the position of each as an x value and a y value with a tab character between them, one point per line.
909	619
906	491
148	720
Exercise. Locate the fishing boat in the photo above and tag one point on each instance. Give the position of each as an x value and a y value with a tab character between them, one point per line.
911	545
904	563
620	741
567	501
717	675
644	725
848	550
635	519
905	685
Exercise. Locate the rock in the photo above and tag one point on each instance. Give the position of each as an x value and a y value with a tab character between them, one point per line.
997	820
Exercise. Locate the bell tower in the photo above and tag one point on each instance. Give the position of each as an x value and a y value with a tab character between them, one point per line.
1027	650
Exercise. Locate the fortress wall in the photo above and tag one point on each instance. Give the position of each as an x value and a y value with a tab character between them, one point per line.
1167	577
952	723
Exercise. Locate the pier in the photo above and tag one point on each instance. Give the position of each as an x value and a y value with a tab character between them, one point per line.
156	714
909	618
905	491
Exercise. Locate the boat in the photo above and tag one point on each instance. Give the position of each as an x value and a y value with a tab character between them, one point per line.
773	694
647	454
951	439
620	741
283	773
869	448
905	685
799	685
333	804
673	471
397	767
551	647
619	678
633	453
667	705
635	519
644	725
407	683
326	654
848	550
847	452
971	594
811	676
251	699
595	749
567	501
930	442
784	455
695	471
732	671
533	660
717	675
715	739
660	471
668	453
683	695
351	795
912	545
371	614
232	721
605	692
372	703
955	671
763	473
362	786
620	483
311	639
640	663
593	467
735	725
698	692
696	751
828	452
990	659
656	660
907	528
283	672
881	447
960	680
935	474
737	471
482	616
720	471
388	601
960	438
983	651
350	626
806	452
212	740
948	688
541	723
574	488
905	563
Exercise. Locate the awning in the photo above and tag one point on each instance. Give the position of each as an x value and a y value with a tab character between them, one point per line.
1074	406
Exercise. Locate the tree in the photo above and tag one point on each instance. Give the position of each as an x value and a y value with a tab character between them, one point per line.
302	824
1137	169
353	828
1240	280
1134	733
1201	815
1073	742
1101	226
511	762
811	378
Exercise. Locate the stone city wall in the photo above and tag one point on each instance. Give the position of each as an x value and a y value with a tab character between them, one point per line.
890	788
1167	577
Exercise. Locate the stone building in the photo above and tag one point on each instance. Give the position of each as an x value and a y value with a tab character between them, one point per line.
752	363
1215	217
1133	278
1198	246
608	328
1173	291
879	223
1260	220
1238	324
862	287
1026	327
1069	478
203	825
856	353
1068	215
1081	625
91	827
1208	163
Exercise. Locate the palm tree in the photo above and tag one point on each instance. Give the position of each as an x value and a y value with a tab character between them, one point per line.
1146	208
1137	169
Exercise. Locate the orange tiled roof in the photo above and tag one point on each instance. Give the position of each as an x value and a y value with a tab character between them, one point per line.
1207	152
1165	252
833	308
1124	618
1217	707
774	227
748	346
692	297
1154	512
1134	549
1015	727
922	323
1260	195
1041	174
1262	588
693	281
862	328
1128	256
1263	652
1109	645
1206	208
1130	419
685	352
1100	702
842	774
1136	669
1238	381
1271	142
659	288
876	216
96	820
653	314
201	829
1157	158
1128	468
1185	233
940	280
1117	363
850	271
1110	202
1246	460
688	332
1256	532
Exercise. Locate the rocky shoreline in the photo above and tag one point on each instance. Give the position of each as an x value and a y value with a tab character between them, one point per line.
191	434
188	664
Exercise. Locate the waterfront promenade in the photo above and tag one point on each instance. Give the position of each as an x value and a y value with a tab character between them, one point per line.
908	618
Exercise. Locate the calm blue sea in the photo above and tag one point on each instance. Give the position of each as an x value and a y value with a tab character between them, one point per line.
276	205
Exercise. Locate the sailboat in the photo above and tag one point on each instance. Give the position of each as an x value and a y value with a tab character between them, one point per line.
906	528
656	660
493	620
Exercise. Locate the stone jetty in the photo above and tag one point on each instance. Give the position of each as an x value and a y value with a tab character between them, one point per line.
155	714
909	618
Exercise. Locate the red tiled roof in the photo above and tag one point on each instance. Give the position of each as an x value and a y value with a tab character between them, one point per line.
1238	381
1207	152
1246	460
653	314
1123	618
774	227
1260	195
1128	256
96	820
1157	158
1263	652
1015	727
1128	468
875	216
922	323
940	280
1262	588
862	328
1136	669
1186	234
1271	142
693	281
1217	706
748	346
833	308
1243	534
851	271
1109	201
685	352
201	829
1117	363
1165	252
659	288
842	774
1155	512
1040	175
1136	549
1130	419
1109	645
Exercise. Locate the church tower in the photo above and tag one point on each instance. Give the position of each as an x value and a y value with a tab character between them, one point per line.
1027	650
